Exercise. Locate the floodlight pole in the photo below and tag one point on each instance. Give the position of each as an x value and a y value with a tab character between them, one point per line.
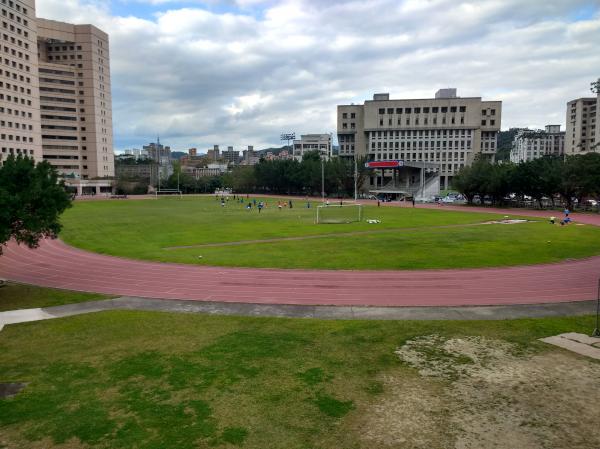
596	332
322	180
355	179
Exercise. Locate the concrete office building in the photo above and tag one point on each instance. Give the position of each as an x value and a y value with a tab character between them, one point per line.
441	135
230	156
312	142
583	127
214	154
158	152
533	144
249	156
75	99
55	100
19	84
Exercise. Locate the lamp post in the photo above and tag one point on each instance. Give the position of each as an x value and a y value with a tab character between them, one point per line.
322	180
288	137
355	179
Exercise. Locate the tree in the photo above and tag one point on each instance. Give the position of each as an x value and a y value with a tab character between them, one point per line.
31	201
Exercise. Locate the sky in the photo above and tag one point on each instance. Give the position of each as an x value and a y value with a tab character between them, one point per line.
241	72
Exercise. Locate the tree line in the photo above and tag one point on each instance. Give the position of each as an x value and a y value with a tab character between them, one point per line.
571	178
280	176
294	177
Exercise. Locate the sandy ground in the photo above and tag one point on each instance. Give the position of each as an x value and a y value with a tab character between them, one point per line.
477	393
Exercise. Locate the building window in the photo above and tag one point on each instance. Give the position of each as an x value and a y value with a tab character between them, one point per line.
483	123
382	110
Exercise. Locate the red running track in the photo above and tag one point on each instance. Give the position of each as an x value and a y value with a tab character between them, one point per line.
55	264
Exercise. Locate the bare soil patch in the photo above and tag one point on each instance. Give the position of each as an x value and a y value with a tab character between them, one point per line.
474	392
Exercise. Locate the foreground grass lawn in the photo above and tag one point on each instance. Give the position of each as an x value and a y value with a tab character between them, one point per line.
154	380
405	238
22	296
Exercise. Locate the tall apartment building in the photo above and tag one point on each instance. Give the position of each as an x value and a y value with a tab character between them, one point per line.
55	100
19	85
214	154
583	126
446	132
75	99
312	142
533	144
158	152
231	156
249	156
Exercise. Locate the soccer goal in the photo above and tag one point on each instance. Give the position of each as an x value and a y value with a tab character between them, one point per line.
339	213
167	192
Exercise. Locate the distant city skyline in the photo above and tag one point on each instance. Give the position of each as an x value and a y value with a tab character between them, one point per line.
241	72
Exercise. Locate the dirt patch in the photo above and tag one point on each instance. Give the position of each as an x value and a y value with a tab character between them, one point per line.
481	393
412	413
8	390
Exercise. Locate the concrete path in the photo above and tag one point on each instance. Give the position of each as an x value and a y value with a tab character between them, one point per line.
58	265
578	343
295	311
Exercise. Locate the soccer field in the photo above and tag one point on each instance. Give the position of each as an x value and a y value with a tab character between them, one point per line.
198	230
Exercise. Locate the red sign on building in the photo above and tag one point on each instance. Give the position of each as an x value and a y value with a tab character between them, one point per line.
384	164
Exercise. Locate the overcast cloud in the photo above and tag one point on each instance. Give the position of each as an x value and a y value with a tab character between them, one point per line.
241	72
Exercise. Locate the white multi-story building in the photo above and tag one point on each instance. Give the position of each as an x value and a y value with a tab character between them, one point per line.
533	144
313	142
446	132
583	126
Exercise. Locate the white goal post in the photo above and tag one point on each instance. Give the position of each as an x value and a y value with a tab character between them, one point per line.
339	213
168	192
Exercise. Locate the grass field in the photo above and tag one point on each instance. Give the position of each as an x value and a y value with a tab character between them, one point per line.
21	296
174	230
152	380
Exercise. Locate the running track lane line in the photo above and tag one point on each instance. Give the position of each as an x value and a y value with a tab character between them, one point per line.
58	265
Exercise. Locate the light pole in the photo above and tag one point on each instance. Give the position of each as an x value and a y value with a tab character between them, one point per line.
322	180
355	179
288	137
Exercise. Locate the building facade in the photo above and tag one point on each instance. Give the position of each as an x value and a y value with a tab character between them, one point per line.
20	130
231	156
215	154
533	144
312	142
446	132
55	95
75	99
249	156
582	133
158	152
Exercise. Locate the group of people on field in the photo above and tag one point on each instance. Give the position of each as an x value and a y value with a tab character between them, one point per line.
259	205
564	221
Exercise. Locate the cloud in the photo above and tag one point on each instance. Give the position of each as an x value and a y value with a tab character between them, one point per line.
241	72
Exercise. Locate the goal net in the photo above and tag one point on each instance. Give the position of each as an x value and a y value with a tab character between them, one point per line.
161	192
339	213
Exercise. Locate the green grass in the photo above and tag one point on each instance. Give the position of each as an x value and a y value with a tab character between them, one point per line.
152	380
406	238
22	296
